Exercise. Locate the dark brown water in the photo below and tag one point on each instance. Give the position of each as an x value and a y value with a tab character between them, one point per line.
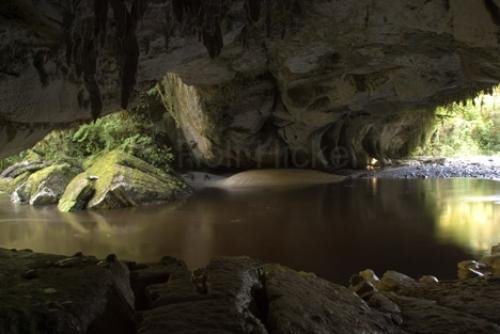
414	226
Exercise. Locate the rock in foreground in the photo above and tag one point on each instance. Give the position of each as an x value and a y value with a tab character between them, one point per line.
42	293
51	294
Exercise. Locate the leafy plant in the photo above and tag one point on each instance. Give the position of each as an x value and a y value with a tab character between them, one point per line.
132	132
468	128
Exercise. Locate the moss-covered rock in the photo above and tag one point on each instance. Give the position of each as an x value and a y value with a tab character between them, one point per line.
77	194
21	168
45	186
117	180
8	185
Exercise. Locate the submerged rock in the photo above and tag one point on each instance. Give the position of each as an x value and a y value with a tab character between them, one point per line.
118	180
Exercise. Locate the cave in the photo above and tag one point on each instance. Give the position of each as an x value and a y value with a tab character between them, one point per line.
249	166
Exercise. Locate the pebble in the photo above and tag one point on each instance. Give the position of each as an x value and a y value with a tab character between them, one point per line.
392	280
49	291
428	280
69	262
370	276
30	274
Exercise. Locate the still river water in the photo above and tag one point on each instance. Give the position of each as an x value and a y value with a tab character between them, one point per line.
413	226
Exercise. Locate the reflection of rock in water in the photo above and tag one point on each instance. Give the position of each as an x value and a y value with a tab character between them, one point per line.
332	230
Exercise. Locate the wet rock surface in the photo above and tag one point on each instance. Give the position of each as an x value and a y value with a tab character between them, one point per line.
56	294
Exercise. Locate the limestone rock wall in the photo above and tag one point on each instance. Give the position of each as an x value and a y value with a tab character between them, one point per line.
306	82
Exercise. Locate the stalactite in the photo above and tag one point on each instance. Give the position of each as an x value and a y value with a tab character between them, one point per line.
85	38
39	64
494	11
101	18
253	8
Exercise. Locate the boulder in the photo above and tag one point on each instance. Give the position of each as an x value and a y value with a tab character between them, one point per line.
218	299
428	316
394	281
304	303
77	194
22	167
79	299
45	186
117	180
9	185
475	301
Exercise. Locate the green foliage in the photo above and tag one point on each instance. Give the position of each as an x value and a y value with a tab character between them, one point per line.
132	132
5	163
146	149
469	128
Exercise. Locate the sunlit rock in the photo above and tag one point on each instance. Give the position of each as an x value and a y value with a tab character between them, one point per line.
46	186
77	194
17	174
122	181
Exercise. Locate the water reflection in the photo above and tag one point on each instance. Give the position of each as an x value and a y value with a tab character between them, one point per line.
418	226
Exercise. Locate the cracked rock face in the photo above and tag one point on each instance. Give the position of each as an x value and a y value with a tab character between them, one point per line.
303	83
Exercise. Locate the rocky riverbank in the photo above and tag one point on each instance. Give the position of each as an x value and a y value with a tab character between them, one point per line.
41	293
482	167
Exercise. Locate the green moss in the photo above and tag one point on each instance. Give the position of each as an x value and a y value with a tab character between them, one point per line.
8	185
121	180
77	194
61	171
